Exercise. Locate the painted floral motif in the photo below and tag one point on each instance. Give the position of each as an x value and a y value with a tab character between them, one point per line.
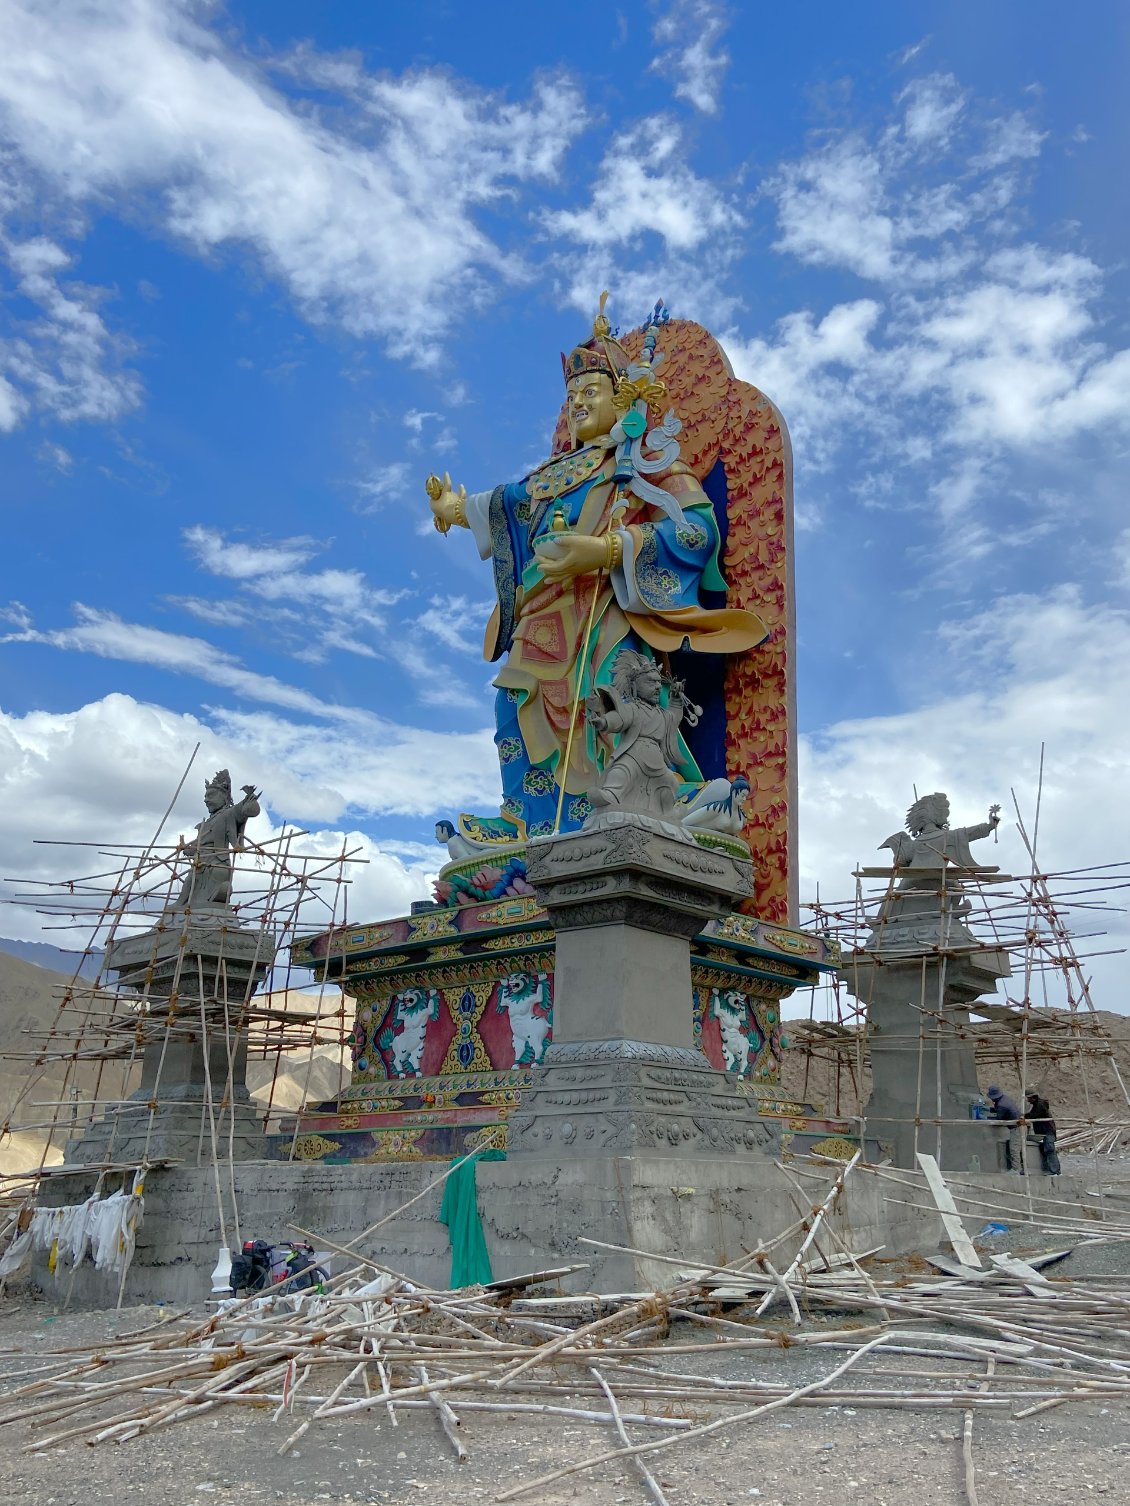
537	782
509	748
658	586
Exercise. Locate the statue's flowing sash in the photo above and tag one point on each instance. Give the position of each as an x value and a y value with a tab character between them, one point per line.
504	556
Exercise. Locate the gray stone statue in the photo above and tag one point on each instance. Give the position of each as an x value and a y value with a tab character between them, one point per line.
209	880
917	973
639	775
928	901
931	843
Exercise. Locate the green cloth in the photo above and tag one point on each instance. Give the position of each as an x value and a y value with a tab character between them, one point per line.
470	1263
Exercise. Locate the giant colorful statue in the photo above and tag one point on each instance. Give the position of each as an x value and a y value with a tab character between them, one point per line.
660	527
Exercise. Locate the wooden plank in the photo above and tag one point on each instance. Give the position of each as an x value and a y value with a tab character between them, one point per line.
534	1278
951	1219
955	1268
1021	1271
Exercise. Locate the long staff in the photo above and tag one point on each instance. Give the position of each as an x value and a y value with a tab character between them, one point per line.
581	660
582	657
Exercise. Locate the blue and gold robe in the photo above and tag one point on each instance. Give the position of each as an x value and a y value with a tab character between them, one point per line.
651	603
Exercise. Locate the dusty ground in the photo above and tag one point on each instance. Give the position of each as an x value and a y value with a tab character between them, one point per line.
870	1456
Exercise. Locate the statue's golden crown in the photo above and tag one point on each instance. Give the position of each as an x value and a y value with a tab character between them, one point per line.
601	352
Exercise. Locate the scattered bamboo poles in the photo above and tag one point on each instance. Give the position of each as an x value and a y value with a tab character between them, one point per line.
1006	1339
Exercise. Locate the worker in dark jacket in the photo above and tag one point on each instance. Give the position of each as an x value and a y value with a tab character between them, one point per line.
1002	1108
1042	1126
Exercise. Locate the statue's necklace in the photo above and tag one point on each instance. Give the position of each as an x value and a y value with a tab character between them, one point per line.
557	477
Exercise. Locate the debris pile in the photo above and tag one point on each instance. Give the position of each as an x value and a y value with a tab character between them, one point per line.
642	1365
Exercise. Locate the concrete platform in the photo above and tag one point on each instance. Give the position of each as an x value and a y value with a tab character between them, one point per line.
700	1211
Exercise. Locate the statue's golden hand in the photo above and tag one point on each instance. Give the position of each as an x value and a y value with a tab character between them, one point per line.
448	505
565	555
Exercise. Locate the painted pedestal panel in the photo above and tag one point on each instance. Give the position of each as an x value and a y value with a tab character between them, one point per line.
455	1009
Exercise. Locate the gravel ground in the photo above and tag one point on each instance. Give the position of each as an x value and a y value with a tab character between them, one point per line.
872	1456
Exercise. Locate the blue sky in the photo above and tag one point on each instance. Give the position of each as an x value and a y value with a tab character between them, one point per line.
266	265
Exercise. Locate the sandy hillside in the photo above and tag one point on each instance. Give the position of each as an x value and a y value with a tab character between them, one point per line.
30	998
1071	1070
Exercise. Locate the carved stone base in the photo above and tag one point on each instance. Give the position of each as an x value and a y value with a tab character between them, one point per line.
625	900
181	1130
624	1076
194	973
923	1056
629	1098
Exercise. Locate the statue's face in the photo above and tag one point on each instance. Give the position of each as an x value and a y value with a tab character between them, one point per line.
649	686
589	408
214	801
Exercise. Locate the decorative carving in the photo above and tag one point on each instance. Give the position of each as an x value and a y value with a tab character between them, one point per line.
314	1147
639	772
623	1051
835	1147
432	925
466	1006
509	912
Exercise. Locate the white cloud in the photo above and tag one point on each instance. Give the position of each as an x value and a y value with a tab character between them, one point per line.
319	610
416	418
1011	138
242	561
13	406
813	371
390	483
106	772
888	206
227	613
644	186
832	210
689	34
933	106
456	622
55	455
65	362
973	349
111	637
373	228
652	227
1028	670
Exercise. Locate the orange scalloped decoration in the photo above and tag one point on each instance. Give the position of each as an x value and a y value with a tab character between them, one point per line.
724	418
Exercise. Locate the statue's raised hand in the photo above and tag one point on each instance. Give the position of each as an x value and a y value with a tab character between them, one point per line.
594	712
448	505
565	555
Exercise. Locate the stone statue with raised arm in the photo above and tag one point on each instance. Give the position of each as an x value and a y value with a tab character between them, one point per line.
639	774
931	860
917	973
209	880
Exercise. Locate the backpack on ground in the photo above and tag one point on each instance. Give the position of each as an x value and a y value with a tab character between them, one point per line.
251	1267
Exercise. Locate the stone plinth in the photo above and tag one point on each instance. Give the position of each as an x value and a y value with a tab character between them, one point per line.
623	1075
194	974
923	1060
626	896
